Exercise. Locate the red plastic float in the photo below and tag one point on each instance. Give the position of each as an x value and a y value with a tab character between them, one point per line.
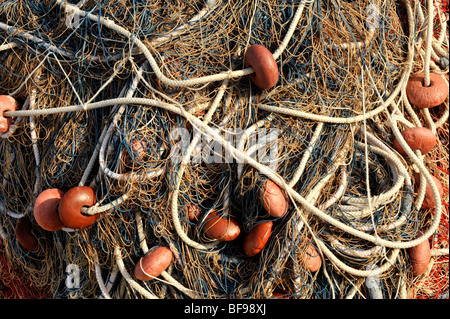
7	103
71	204
24	235
273	199
153	263
193	212
266	69
280	294
312	259
223	229
418	138
46	209
420	257
257	238
138	149
426	96
428	201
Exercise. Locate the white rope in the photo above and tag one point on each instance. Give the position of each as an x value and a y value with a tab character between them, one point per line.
428	42
301	167
34	142
180	172
101	284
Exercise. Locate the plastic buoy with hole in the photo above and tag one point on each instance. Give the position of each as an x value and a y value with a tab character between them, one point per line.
265	67
71	204
426	96
7	103
46	209
418	138
153	263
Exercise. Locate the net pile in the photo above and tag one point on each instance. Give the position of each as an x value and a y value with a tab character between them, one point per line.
150	103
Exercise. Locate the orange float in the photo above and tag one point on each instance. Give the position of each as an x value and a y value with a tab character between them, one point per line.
46	209
71	204
420	257
428	201
24	235
153	263
223	229
257	238
418	138
138	149
7	103
312	259
280	294
193	212
273	199
266	69
426	96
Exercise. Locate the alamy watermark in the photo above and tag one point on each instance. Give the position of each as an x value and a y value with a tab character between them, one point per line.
73	276
373	282
261	145
73	16
373	17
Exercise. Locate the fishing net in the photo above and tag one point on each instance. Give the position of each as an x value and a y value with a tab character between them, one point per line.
150	103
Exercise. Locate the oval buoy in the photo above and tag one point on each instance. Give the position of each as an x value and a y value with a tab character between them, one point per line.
265	67
426	96
192	212
153	263
312	259
257	238
273	199
24	235
223	229
420	256
138	151
71	204
428	201
418	138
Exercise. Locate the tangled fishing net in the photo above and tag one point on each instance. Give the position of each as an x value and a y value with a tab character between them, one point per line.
152	105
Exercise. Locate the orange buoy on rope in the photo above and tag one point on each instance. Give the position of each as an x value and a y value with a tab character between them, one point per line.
273	199
153	263
428	201
24	235
426	96
266	68
257	238
138	148
280	294
7	103
223	229
312	259
46	209
192	212
418	138
71	204
420	256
